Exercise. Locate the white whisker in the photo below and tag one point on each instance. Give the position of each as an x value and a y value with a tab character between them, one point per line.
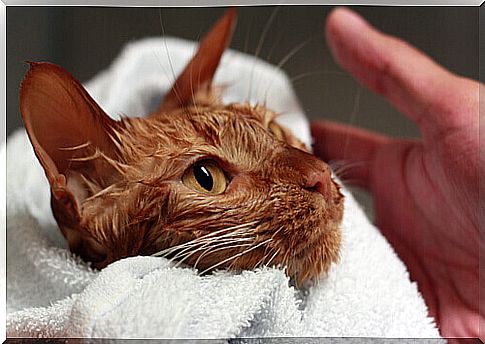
169	58
211	250
222	249
262	259
235	256
319	72
284	60
217	244
259	46
234	230
273	257
199	241
353	115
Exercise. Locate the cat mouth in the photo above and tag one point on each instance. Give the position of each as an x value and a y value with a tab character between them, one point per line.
304	242
312	248
305	252
307	260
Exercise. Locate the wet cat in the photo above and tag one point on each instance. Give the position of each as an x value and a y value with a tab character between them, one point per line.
208	184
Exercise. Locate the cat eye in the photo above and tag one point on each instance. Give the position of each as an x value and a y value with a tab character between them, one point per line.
276	130
205	176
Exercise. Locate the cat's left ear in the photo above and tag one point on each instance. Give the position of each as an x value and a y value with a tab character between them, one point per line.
64	123
201	69
69	131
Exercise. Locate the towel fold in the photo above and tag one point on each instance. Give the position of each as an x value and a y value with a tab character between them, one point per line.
52	293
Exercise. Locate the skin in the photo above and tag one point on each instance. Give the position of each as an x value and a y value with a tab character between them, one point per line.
426	191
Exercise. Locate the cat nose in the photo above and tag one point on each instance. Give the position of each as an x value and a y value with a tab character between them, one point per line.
318	180
309	172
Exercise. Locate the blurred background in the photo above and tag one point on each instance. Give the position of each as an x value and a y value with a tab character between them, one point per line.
84	40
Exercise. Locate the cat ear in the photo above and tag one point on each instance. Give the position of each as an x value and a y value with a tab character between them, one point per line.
201	69
64	125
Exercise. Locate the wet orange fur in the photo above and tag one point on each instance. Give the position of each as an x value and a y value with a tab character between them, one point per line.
149	209
117	188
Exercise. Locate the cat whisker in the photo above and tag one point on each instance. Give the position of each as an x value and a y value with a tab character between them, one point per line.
277	251
169	250
350	181
273	257
353	115
343	166
275	44
162	67
169	58
194	243
194	102
210	243
211	251
301	76
260	45
262	259
266	30
284	60
285	259
342	174
272	248
235	256
248	32
276	232
343	169
293	51
336	164
244	226
231	266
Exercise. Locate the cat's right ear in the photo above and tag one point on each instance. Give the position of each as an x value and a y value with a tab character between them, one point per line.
199	72
64	123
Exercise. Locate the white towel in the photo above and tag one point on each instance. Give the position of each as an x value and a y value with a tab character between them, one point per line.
51	293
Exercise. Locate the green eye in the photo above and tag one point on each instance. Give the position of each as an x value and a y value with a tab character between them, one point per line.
206	177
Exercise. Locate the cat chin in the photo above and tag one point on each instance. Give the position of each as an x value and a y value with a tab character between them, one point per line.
313	256
315	264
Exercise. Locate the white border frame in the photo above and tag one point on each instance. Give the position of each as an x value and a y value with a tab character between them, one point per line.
129	3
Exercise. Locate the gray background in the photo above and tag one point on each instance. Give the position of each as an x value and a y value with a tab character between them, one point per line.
85	39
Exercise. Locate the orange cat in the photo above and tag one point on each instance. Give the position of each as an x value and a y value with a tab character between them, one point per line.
213	185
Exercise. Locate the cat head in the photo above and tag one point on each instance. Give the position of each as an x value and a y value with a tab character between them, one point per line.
209	184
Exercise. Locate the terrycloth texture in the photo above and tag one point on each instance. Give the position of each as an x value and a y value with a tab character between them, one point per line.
52	293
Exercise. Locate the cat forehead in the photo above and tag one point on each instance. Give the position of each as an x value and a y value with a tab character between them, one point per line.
235	129
237	134
244	113
215	122
238	125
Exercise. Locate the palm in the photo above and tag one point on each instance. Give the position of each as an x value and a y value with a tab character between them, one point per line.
429	232
425	191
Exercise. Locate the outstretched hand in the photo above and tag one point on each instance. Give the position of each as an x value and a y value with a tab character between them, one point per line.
425	191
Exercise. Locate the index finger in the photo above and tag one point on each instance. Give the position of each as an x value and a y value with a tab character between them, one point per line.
435	99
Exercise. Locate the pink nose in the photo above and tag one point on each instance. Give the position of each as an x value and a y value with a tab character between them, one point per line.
305	169
317	180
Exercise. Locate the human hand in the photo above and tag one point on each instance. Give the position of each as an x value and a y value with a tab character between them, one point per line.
426	190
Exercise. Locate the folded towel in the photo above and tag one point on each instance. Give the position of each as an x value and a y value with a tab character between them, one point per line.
52	293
